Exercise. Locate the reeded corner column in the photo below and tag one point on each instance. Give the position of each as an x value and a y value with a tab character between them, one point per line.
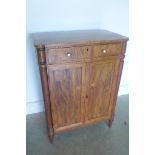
45	89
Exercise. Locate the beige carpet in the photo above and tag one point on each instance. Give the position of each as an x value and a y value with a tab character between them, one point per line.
92	140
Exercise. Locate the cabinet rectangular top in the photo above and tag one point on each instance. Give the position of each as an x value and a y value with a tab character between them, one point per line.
74	37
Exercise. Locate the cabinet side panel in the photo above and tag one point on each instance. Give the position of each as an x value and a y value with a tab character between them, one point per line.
116	83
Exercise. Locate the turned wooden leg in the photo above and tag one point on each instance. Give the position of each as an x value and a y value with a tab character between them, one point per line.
51	135
111	121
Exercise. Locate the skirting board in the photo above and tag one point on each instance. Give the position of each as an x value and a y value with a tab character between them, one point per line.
123	89
38	106
34	107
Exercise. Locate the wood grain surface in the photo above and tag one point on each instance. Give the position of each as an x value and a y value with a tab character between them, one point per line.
75	37
99	79
65	83
80	75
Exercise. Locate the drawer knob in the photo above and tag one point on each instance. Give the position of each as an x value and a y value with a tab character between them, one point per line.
68	54
104	51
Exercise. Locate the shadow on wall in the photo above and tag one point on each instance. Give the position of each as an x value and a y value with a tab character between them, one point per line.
33	84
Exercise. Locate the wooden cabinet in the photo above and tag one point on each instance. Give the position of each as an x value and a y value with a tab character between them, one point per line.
80	74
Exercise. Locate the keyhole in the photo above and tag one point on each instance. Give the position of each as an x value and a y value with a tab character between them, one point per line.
87	49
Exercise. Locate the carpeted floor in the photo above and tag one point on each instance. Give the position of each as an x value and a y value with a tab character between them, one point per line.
92	140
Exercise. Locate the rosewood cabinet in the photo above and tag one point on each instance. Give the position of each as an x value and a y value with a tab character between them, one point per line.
80	74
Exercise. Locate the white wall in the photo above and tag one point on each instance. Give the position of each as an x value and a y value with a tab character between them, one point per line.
50	15
114	17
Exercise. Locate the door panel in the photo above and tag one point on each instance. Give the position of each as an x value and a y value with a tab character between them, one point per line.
66	90
99	76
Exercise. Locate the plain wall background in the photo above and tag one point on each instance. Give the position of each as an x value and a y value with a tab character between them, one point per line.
50	15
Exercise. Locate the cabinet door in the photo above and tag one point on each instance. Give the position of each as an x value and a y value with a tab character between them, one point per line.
99	78
66	90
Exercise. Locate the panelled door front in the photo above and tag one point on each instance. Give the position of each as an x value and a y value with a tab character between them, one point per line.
99	78
66	89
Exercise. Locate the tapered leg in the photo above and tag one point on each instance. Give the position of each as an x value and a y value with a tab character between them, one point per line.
51	135
110	121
